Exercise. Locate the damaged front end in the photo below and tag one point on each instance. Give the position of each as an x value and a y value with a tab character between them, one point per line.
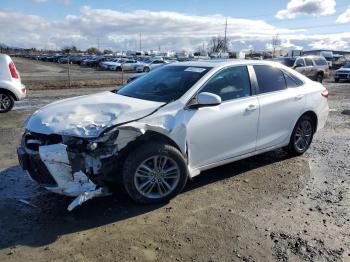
74	166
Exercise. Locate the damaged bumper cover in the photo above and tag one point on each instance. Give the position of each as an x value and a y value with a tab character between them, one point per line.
74	166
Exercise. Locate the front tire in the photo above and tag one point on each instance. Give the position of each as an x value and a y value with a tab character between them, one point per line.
336	80
146	69
154	173
302	136
6	102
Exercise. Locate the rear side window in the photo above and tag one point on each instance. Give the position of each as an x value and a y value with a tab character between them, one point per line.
269	78
320	61
308	62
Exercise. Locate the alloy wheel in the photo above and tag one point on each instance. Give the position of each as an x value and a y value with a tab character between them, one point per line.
303	135
5	102
157	177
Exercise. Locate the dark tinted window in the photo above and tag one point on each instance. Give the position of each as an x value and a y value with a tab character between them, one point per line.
308	62
166	84
296	80
230	83
269	78
320	61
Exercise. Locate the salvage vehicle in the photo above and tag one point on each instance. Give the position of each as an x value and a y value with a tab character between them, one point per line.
11	87
314	67
343	73
168	126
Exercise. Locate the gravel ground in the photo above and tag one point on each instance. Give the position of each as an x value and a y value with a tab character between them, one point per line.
265	208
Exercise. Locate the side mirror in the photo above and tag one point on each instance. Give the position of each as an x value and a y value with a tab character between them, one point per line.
206	99
297	65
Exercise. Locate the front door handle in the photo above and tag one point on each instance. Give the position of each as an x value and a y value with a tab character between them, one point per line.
298	97
251	108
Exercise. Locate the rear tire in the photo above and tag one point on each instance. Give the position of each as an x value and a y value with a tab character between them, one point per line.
118	69
6	102
154	173
336	80
301	137
319	78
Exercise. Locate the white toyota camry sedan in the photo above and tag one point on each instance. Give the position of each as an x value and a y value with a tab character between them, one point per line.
170	125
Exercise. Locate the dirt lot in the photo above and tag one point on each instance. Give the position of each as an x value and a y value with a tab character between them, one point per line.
46	75
265	208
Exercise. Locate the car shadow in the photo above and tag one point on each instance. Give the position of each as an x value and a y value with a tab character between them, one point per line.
32	216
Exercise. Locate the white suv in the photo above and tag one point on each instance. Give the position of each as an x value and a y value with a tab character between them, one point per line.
11	88
170	125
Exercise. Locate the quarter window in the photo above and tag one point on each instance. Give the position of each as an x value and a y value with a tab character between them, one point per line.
320	61
230	83
269	78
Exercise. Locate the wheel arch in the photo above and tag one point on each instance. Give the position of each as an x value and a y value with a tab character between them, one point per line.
148	136
313	116
6	91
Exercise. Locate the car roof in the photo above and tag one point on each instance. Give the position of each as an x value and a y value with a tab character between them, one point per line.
311	56
217	63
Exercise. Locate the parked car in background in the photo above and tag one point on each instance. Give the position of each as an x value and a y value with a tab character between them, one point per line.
314	67
113	65
149	65
171	124
342	73
130	65
11	87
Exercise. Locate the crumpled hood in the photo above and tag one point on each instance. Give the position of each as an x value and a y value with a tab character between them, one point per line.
88	116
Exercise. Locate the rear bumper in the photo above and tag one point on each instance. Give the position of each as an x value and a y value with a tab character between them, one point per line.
18	90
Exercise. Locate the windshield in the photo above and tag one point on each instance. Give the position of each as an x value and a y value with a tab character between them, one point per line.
166	84
346	66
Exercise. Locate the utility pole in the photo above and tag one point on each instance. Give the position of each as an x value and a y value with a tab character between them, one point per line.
140	43
225	48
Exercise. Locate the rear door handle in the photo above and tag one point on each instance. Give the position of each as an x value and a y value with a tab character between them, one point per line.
251	108
298	97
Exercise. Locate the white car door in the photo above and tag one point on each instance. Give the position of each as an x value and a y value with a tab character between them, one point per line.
280	107
129	65
217	133
301	67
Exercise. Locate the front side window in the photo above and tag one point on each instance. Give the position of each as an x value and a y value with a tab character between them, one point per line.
166	84
308	62
300	62
230	83
269	78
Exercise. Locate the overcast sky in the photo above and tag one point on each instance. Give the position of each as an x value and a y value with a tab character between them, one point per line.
175	25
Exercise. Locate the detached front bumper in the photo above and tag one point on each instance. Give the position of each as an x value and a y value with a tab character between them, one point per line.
50	168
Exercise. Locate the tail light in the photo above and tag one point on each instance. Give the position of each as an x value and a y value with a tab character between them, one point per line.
325	93
13	70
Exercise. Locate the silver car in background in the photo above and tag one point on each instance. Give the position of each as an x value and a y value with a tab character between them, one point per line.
314	67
